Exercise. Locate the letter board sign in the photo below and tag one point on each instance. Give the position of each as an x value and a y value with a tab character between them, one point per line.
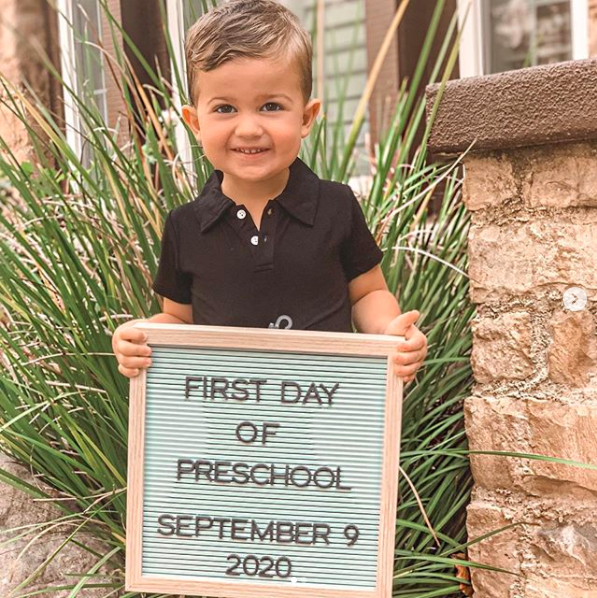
263	463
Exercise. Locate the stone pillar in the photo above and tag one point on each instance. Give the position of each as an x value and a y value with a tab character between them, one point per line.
531	187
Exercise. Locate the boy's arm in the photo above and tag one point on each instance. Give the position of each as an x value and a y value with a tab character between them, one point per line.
174	313
373	306
376	311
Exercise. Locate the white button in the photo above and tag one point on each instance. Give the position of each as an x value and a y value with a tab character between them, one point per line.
241	214
255	240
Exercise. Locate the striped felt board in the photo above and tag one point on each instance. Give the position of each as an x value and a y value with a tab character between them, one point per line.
263	463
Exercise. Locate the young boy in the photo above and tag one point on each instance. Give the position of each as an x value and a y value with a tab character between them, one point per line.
267	243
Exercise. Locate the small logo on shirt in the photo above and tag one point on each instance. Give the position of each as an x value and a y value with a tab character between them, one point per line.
284	322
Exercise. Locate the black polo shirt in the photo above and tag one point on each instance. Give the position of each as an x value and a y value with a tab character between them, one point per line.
291	273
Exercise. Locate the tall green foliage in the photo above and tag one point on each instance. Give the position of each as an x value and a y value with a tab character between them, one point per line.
78	250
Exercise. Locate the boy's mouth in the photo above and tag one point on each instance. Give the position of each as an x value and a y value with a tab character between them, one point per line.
249	150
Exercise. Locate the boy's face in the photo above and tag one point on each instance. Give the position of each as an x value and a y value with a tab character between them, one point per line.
251	104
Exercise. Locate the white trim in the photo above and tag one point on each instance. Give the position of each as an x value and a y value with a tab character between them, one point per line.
470	57
580	29
67	63
175	16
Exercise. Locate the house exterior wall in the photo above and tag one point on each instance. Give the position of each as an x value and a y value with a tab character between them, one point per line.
379	14
25	25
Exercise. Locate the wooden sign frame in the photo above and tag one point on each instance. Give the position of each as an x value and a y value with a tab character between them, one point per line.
282	341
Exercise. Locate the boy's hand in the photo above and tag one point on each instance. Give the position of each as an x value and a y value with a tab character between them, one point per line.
411	352
130	349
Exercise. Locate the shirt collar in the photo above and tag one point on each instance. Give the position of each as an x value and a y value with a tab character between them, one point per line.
299	198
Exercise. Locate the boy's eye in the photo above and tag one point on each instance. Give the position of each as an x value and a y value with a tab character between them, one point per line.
224	109
272	107
228	109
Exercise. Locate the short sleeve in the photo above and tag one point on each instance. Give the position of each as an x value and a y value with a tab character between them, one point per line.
360	252
170	281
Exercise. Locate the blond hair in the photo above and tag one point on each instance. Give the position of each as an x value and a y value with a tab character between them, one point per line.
248	29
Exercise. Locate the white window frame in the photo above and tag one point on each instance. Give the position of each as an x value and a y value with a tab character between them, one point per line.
471	49
175	16
72	116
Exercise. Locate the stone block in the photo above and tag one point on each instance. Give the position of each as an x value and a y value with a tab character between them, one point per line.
565	430
560	560
508	261
572	355
502	348
562	178
500	550
566	552
550	547
540	587
495	424
488	182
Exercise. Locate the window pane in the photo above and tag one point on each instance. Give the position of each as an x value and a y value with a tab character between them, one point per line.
345	62
521	33
89	64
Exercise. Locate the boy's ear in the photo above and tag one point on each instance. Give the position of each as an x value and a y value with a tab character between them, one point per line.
309	115
189	115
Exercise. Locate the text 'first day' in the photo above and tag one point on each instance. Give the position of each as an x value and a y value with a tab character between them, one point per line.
219	388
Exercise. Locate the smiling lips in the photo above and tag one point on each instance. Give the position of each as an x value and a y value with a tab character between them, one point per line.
250	151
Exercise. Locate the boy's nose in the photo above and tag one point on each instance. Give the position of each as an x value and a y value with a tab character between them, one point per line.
247	126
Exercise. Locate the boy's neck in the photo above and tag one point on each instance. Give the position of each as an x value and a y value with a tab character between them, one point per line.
248	192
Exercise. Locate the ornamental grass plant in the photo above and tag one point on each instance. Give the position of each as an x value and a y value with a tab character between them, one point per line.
79	242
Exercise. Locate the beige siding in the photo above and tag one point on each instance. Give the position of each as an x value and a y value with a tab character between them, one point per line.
345	60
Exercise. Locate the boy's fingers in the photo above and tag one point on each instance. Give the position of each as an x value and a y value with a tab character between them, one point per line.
400	325
129	373
415	341
410	357
133	335
128	349
135	362
406	370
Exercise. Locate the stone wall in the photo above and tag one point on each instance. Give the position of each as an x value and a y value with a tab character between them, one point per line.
534	235
531	186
